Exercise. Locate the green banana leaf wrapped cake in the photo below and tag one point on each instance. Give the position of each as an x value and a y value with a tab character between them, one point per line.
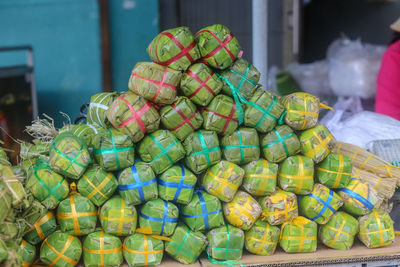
14	254
69	156
242	146
225	243
143	250
359	198
4	158
98	107
156	83
223	180
376	229
77	215
279	207
299	236
177	184
200	84
113	150
47	186
217	46
9	230
175	48
5	201
133	115
117	217
31	150
181	117
31	215
137	184
260	177
202	150
28	253
86	132
339	231
316	143
203	212
263	112
320	205
161	150
61	250
159	216
302	110
14	187
296	174
100	249
186	246
279	144
242	211
41	229
334	171
97	185
262	238
221	115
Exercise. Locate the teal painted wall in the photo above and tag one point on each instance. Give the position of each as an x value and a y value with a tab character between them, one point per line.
65	37
133	24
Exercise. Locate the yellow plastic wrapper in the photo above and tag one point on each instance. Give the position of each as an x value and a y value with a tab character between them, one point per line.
296	174
317	143
223	180
279	207
262	238
260	177
299	236
376	229
242	211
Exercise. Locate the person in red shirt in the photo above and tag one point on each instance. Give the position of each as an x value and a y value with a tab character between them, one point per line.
387	100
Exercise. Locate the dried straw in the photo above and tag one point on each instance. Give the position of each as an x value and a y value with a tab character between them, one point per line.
43	129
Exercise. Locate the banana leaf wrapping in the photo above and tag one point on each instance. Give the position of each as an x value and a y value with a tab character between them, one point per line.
181	118
223	180
28	253
31	215
133	115
177	184
3	250
296	174
359	198
262	238
376	229
4	158
161	150
280	143
14	257
334	171
31	151
69	156
242	146
98	107
203	212
77	215
97	185
279	207
202	150
264	112
5	201
86	132
41	229
316	143
225	243
156	83
47	186
320	205
100	249
137	184
175	48
14	187
117	217
217	46
260	177
302	110
9	230
200	84
241	77
19	172
299	236
113	150
242	211
143	250
221	115
339	231
186	246
59	244
159	216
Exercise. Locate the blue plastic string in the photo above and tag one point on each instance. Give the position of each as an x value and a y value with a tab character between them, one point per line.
326	204
360	198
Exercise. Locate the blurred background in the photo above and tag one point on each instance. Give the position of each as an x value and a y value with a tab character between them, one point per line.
55	54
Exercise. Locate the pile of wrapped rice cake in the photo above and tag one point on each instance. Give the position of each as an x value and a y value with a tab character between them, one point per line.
195	159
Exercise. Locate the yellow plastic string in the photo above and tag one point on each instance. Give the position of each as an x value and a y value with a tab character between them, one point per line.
243	210
121	217
39	223
97	189
22	246
377	183
72	187
338	232
304	113
366	161
340	172
278	212
380	231
61	254
321	144
263	241
148	231
322	105
222	181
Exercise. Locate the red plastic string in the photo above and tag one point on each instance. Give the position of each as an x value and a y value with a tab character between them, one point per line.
222	44
228	118
202	83
184	50
185	119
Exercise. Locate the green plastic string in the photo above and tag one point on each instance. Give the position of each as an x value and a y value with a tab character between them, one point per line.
244	77
72	160
164	151
205	150
281	122
266	113
230	263
51	192
240	146
281	140
180	246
